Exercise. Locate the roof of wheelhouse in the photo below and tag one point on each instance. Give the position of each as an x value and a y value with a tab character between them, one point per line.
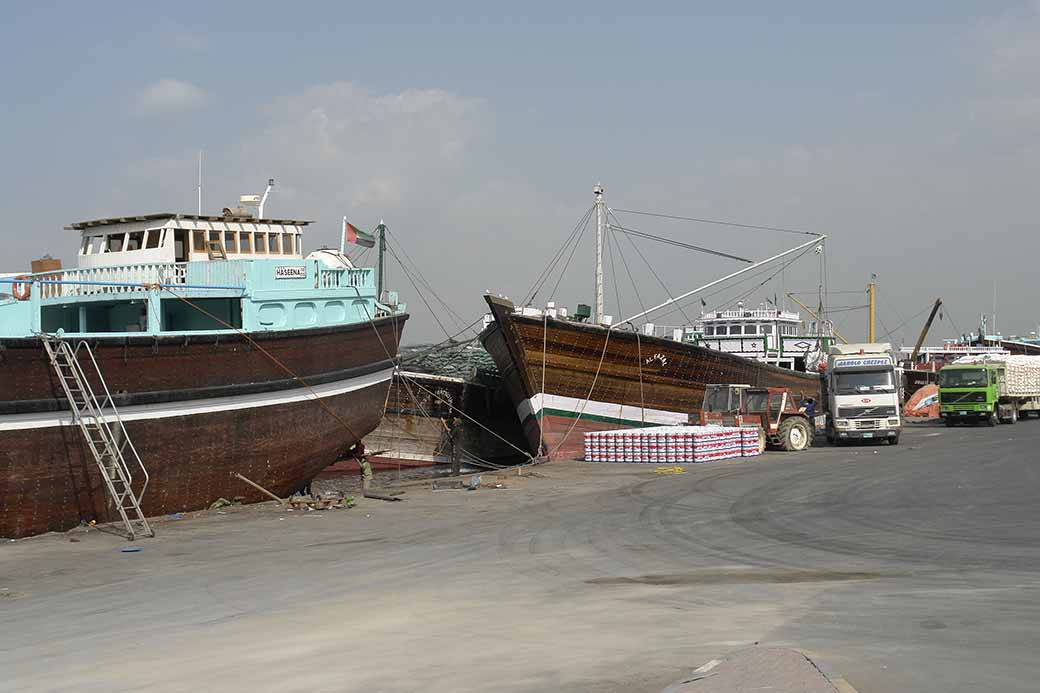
81	225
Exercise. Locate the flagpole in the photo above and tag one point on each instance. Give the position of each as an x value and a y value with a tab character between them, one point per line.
343	238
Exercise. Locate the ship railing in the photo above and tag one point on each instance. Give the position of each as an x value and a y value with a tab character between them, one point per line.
125	279
335	278
753	314
751	346
678	333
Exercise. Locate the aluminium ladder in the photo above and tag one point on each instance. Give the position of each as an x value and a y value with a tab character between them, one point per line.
103	431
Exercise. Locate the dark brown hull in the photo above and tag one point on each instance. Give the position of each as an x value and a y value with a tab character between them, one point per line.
140	370
595	378
198	430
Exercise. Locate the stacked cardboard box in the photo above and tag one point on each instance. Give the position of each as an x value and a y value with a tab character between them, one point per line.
671	444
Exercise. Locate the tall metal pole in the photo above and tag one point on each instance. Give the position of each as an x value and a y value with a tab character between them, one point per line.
382	252
200	182
870	323
601	220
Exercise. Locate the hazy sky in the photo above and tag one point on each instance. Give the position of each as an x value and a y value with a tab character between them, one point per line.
907	132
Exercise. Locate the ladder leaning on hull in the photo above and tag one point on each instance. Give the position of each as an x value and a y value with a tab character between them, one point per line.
103	431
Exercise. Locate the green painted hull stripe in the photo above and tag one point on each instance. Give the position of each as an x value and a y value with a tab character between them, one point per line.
593	417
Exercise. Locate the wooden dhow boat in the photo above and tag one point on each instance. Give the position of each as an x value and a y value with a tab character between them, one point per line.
185	352
568	374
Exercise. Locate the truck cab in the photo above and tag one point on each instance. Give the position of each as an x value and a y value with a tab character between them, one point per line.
863	399
723	404
990	388
969	393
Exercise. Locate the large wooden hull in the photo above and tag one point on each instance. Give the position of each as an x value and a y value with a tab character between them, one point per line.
589	378
197	410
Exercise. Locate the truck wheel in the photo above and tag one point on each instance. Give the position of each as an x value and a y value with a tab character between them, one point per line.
894	440
1013	416
991	420
795	434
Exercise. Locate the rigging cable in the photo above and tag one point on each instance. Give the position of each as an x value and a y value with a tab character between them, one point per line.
459	320
547	271
632	281
905	322
752	227
653	272
421	295
592	388
680	244
563	270
753	275
611	241
450	342
433	394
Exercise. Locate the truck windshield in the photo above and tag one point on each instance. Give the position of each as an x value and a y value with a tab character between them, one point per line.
863	381
962	377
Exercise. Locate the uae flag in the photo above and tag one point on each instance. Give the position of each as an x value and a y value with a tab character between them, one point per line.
357	236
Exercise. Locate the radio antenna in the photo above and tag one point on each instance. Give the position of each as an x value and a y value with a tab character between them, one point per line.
200	182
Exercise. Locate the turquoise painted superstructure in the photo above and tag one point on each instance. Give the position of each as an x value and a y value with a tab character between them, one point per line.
192	297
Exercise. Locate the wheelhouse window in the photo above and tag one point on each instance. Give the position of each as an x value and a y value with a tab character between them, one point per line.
135	240
750	329
261	243
245	242
114	242
734	329
229	242
272	243
198	241
154	238
709	330
214	237
287	244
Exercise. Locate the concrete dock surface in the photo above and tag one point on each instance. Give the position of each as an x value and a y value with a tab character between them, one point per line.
907	568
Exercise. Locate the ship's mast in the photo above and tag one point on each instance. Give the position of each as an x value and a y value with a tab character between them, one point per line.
601	220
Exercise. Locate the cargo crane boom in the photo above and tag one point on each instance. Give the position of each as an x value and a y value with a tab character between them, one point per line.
924	331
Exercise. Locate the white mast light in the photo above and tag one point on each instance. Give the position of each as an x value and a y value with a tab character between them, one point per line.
263	200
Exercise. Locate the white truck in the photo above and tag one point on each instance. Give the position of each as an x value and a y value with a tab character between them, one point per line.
863	398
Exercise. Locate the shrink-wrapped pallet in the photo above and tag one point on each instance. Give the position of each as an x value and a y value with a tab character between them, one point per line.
1021	373
665	444
749	441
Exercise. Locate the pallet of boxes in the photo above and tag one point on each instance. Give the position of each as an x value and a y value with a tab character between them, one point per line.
672	444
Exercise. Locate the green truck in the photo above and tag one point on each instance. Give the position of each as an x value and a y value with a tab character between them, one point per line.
989	389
